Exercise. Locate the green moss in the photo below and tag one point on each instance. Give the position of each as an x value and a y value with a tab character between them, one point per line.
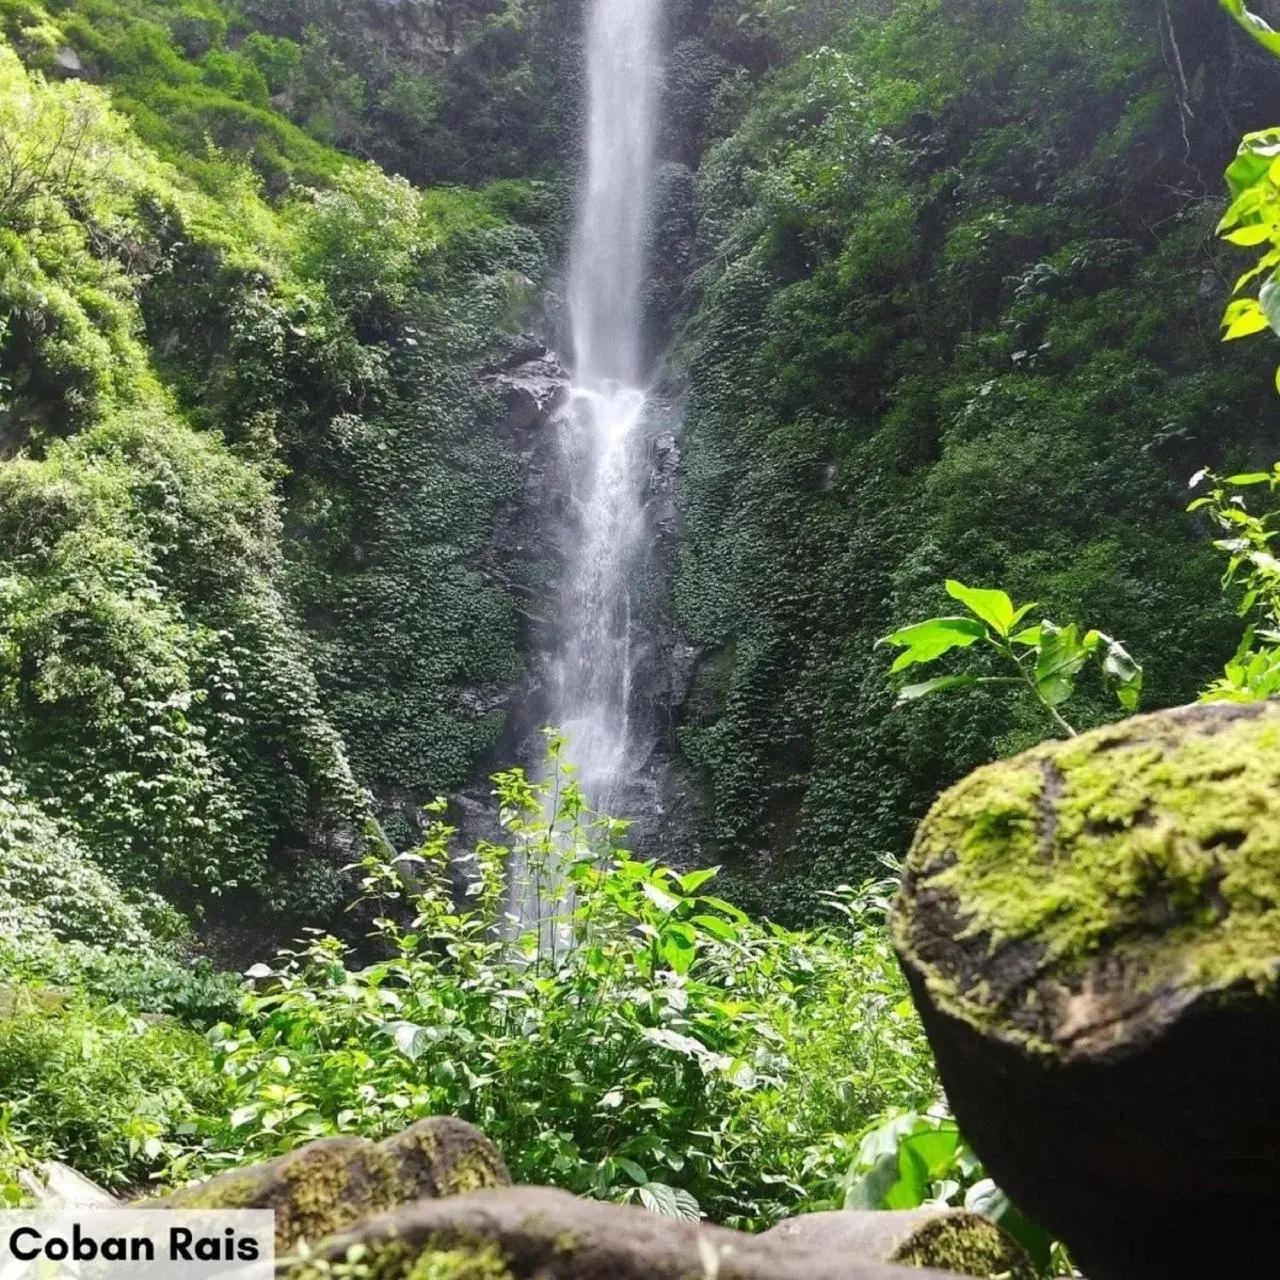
315	1192
968	1246
1156	841
469	1171
460	1264
391	1260
232	1191
327	1189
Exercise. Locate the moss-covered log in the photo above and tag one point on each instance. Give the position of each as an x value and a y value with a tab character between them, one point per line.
535	1233
331	1185
1092	935
951	1239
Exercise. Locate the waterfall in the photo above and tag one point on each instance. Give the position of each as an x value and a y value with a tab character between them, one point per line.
601	446
602	452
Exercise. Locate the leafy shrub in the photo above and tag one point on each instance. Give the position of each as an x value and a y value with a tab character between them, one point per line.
147	979
111	1094
612	1027
50	890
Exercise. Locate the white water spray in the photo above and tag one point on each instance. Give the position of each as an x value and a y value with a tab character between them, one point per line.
602	452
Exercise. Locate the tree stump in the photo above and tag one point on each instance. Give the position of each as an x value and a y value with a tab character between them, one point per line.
1092	936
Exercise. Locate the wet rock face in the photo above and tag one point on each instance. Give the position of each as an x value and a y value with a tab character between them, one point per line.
1092	935
534	1233
330	1185
532	382
523	558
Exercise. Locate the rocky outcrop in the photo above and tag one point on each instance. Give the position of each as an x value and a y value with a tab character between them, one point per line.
534	1233
532	382
953	1239
331	1185
1092	935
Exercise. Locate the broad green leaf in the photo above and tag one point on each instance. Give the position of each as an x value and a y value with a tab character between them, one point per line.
986	1198
1250	477
664	901
936	1148
1030	1235
670	1202
1061	657
1251	322
929	640
242	1116
993	607
1261	31
1269	300
912	692
410	1039
1258	233
632	1170
716	927
674	1041
1250	167
885	1137
1120	673
694	880
1030	637
869	1191
912	1187
678	947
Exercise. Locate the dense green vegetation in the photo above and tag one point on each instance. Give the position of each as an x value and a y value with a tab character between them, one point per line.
958	319
654	1045
240	542
946	309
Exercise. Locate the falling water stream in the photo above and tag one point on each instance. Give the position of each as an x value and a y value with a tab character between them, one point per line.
601	445
602	450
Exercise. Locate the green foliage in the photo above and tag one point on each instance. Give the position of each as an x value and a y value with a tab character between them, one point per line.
1252	568
1253	219
146	976
1260	30
51	891
225	419
438	92
110	1093
1045	657
955	320
622	1034
907	1159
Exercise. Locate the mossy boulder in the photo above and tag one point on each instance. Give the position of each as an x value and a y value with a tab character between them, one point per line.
1092	934
535	1233
328	1186
951	1239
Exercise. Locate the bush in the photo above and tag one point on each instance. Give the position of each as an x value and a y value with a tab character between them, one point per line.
51	891
110	1093
621	1034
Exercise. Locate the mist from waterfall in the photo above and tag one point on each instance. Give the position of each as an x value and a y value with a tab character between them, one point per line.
602	450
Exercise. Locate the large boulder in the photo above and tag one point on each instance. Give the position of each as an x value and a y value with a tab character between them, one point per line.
534	1233
330	1185
1092	935
952	1239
